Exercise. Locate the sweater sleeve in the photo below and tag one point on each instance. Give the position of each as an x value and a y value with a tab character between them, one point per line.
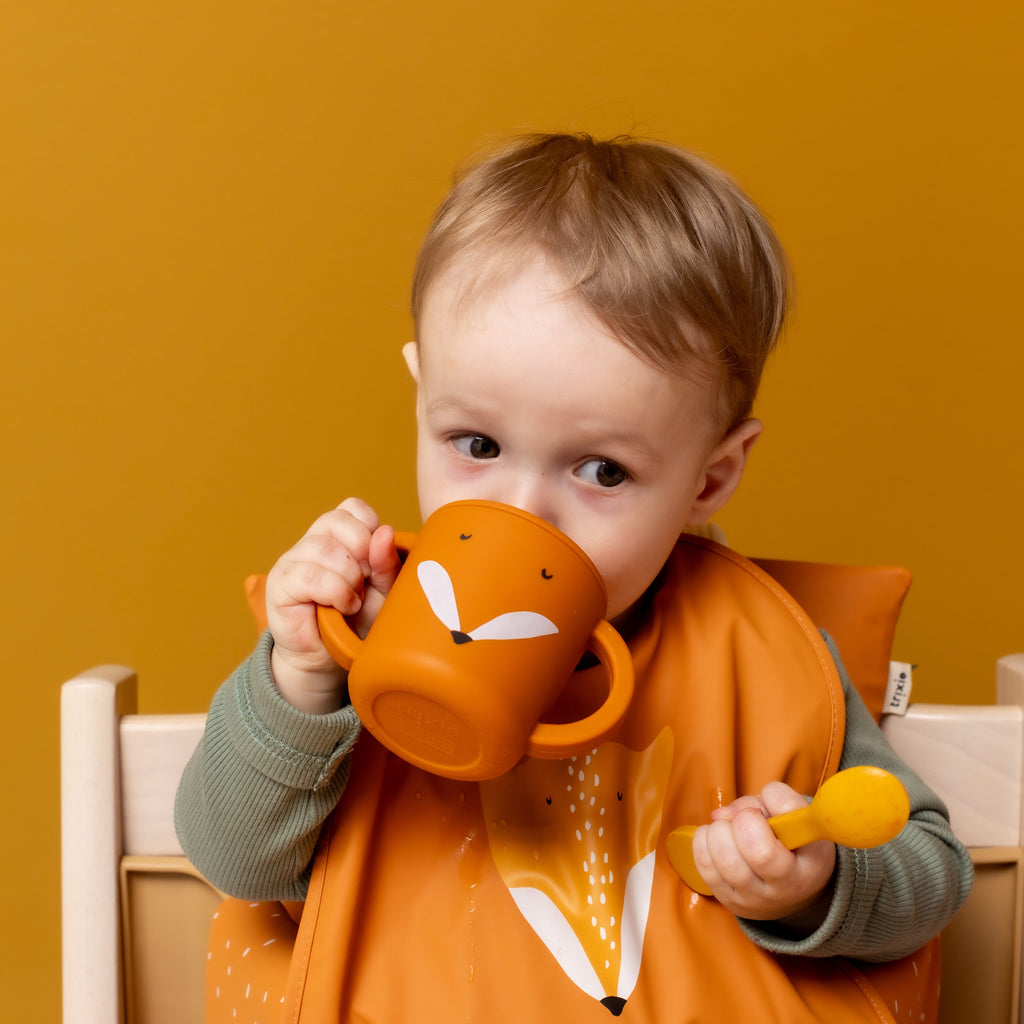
891	899
256	791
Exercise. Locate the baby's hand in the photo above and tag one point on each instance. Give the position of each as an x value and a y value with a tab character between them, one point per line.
348	561
748	869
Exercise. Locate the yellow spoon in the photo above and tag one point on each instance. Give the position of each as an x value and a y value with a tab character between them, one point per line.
858	807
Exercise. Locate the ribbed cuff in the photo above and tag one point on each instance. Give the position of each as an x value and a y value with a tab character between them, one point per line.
818	941
290	746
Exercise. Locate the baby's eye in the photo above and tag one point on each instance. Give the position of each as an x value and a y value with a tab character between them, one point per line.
603	473
476	446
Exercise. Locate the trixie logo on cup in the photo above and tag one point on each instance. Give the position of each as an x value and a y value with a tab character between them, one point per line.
484	626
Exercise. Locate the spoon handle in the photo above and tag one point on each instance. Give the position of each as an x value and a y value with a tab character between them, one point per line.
798	828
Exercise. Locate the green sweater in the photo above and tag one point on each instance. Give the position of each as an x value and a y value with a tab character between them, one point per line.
265	776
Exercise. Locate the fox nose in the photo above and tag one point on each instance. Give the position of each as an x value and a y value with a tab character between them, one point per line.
459	637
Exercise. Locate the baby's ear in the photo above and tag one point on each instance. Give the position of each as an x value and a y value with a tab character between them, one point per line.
411	351
724	470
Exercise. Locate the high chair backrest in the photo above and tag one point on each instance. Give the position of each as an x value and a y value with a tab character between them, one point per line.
136	914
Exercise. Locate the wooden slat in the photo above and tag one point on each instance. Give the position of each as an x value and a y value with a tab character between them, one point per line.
971	756
154	752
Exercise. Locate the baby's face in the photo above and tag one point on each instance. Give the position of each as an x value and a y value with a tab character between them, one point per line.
524	399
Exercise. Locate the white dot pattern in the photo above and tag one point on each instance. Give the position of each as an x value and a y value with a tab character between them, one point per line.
247	963
590	802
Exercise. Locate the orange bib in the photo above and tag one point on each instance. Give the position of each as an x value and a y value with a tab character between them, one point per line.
546	894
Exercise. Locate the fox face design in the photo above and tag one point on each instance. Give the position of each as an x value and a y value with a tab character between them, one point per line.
574	842
484	571
440	594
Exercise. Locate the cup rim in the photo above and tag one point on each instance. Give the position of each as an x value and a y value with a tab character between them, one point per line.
536	520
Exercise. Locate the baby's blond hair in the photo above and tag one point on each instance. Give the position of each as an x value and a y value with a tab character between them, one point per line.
665	250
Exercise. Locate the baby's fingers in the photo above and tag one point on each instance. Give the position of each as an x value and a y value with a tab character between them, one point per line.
327	567
384	560
736	848
318	570
729	811
330	563
383	567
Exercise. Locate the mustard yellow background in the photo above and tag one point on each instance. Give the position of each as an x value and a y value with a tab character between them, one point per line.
208	218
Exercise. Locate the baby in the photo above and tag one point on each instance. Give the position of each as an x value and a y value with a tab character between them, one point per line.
592	319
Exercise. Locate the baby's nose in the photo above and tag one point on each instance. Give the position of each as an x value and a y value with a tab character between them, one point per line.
533	494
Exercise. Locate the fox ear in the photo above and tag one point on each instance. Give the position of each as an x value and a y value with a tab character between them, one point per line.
514	626
724	470
440	594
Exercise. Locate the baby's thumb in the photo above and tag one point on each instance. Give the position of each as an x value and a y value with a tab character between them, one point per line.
779	798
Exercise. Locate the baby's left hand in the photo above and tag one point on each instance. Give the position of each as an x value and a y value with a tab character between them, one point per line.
746	867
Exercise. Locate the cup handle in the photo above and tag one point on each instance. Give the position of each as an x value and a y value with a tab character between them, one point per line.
550	740
340	639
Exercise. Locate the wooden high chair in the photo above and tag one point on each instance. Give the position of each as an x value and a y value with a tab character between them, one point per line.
136	914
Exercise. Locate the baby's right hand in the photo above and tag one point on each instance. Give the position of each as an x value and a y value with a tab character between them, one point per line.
346	560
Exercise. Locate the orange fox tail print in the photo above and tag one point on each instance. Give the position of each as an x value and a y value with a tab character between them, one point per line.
574	842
